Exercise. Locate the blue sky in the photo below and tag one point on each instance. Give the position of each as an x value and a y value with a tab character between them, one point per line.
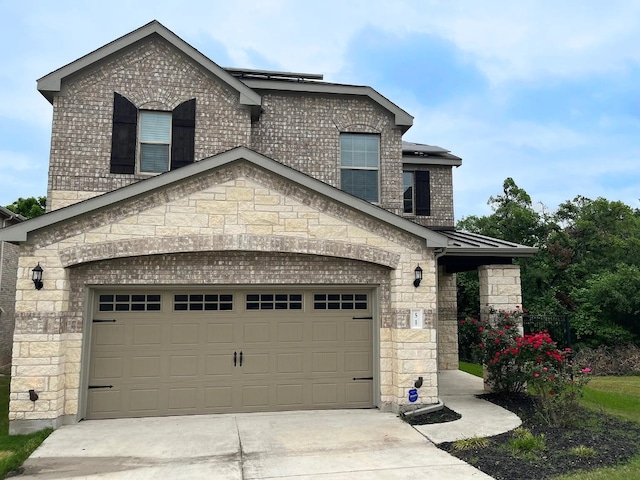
545	92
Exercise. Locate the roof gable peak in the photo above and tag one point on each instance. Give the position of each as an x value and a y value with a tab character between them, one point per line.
50	84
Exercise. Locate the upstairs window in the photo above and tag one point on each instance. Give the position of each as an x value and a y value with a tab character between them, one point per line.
155	141
360	164
148	141
416	193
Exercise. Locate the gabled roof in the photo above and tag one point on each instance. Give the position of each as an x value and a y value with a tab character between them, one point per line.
402	118
51	83
19	233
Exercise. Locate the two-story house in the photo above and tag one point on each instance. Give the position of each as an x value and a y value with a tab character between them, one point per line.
228	240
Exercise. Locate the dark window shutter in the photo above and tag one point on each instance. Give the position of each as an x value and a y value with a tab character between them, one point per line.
183	131
423	193
123	135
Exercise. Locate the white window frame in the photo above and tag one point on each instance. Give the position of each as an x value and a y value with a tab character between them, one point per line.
344	167
142	142
413	193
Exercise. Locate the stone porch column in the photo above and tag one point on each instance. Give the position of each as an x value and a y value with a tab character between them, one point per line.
500	288
447	321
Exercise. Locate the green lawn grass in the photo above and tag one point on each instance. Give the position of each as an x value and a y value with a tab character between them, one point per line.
620	397
616	396
472	368
14	449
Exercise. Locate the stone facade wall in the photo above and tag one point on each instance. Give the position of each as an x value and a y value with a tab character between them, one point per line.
441	184
447	321
304	133
500	287
153	76
224	223
8	268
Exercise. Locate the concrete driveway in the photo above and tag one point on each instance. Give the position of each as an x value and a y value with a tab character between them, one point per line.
342	444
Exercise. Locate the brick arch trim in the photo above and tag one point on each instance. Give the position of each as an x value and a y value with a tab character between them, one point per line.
240	242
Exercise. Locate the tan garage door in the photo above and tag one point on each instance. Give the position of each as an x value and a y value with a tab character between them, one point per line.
191	352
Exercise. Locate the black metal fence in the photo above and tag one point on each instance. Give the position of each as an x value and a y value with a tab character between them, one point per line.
558	326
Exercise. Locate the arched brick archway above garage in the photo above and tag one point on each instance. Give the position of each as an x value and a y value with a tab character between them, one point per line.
241	242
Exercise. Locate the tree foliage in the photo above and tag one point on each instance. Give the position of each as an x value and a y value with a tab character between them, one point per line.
29	207
587	265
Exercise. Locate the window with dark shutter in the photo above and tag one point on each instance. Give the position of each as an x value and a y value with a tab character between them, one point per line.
123	135
183	128
423	193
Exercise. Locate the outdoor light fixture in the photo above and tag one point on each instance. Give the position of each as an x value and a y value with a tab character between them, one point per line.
36	276
418	274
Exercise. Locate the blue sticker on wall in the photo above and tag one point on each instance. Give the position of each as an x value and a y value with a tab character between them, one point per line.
413	395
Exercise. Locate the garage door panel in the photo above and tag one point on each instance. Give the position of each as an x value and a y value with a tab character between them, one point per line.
255	396
291	395
357	331
167	362
183	365
358	393
324	362
143	401
257	332
108	367
255	363
325	331
147	335
183	399
221	364
104	403
290	362
357	362
290	332
108	334
184	334
220	333
324	394
146	367
218	397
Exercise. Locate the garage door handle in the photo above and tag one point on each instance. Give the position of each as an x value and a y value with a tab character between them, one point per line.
240	358
91	387
363	378
362	318
235	358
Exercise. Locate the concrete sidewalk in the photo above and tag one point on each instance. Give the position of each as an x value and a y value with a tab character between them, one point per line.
479	417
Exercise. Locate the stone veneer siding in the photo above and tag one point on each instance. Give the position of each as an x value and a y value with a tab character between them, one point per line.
500	287
153	75
441	185
447	321
233	219
303	131
9	259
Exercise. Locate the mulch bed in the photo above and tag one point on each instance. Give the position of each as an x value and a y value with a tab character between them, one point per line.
614	441
440	416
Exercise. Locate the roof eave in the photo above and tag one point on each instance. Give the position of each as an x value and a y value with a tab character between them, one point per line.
50	84
20	233
402	119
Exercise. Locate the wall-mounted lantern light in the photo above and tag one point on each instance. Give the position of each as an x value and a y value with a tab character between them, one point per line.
36	276
418	276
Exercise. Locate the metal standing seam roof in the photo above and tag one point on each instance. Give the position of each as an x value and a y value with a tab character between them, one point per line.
467	244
